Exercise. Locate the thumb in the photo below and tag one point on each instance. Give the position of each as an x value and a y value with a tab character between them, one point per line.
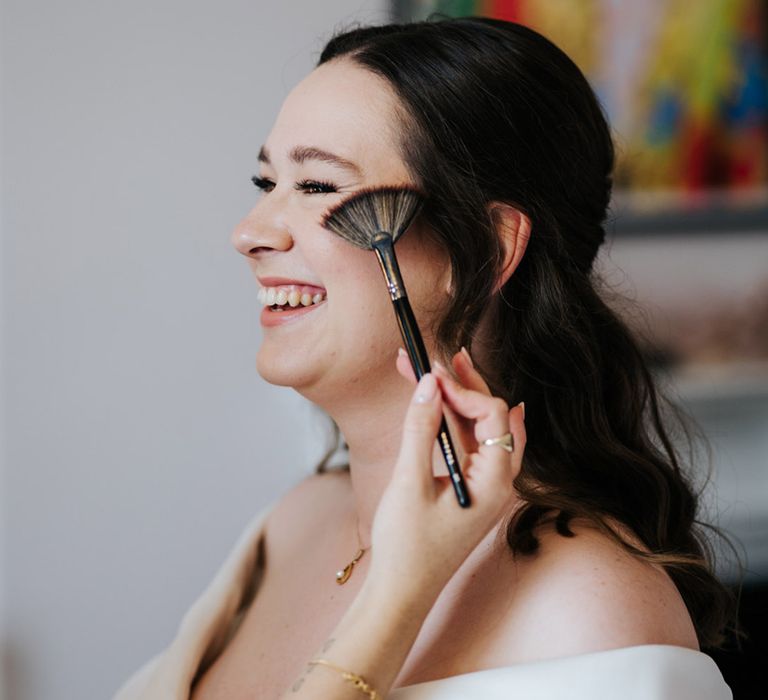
422	420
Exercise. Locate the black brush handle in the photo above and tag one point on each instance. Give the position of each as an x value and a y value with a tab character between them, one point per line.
414	345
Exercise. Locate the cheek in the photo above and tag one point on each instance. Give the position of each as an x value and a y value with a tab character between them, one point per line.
353	277
426	271
354	272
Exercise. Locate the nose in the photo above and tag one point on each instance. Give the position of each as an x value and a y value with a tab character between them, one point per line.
263	229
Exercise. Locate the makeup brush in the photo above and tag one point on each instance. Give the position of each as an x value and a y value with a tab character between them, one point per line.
373	219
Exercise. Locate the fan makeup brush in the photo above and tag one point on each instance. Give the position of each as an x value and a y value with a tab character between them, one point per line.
373	219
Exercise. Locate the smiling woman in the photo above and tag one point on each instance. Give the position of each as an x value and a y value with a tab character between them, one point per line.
580	551
308	164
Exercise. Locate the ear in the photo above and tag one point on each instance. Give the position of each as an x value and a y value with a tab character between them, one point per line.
514	230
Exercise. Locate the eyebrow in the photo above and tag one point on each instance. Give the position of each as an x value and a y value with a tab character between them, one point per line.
300	154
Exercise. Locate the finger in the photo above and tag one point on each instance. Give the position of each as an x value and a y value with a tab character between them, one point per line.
460	427
519	434
467	402
471	383
466	372
490	413
509	472
422	420
494	466
404	366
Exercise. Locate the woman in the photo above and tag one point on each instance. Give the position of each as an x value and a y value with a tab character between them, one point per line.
584	577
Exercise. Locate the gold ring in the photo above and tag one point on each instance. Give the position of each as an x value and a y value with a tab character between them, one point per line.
504	441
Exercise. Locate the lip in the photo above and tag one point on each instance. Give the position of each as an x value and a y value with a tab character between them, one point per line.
279	318
284	281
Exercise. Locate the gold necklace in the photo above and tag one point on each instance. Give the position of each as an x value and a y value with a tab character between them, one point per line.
343	575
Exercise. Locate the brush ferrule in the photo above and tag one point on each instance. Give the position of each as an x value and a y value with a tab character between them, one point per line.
385	252
394	291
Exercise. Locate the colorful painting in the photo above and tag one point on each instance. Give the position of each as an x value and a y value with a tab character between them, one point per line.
684	84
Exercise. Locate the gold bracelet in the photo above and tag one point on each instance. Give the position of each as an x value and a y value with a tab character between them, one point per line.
359	682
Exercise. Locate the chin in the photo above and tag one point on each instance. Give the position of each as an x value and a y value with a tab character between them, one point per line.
290	369
278	371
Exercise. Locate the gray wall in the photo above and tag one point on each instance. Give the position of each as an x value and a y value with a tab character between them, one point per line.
137	437
3	437
140	438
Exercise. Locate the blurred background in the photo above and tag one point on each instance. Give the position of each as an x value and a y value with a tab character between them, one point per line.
137	439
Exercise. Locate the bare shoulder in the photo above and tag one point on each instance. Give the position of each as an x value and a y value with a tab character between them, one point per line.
306	507
586	593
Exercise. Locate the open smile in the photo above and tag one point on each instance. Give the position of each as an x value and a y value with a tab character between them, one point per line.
279	315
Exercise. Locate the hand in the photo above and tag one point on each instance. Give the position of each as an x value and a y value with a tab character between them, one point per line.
420	535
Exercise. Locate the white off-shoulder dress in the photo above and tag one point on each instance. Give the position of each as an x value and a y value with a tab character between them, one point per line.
647	672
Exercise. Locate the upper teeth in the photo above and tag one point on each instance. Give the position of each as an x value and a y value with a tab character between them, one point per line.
291	295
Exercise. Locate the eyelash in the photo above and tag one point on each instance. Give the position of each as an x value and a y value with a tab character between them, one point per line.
265	185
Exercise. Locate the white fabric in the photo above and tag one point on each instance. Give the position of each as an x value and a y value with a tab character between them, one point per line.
648	672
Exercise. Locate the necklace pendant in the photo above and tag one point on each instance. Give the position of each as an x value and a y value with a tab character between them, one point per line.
343	575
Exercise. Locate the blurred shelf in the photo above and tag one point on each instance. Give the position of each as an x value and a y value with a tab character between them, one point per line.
749	534
730	401
718	382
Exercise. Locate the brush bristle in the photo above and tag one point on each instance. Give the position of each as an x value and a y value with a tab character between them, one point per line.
360	217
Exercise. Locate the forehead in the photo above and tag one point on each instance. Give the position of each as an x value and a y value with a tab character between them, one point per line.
345	109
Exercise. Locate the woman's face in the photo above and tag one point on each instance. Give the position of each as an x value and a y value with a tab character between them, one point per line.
336	133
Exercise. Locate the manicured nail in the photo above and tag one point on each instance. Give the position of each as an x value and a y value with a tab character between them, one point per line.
466	354
426	389
402	353
522	405
438	365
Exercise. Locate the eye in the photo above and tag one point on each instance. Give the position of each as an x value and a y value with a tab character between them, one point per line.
262	183
316	187
309	186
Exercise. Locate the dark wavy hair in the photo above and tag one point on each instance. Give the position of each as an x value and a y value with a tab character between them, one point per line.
493	111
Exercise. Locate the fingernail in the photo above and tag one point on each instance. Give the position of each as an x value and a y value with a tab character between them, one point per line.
402	353
426	389
522	405
438	365
466	354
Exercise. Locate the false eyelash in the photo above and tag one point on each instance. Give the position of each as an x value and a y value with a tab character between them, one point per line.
262	183
322	185
325	187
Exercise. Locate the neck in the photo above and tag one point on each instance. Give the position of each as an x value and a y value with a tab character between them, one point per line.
372	430
371	422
